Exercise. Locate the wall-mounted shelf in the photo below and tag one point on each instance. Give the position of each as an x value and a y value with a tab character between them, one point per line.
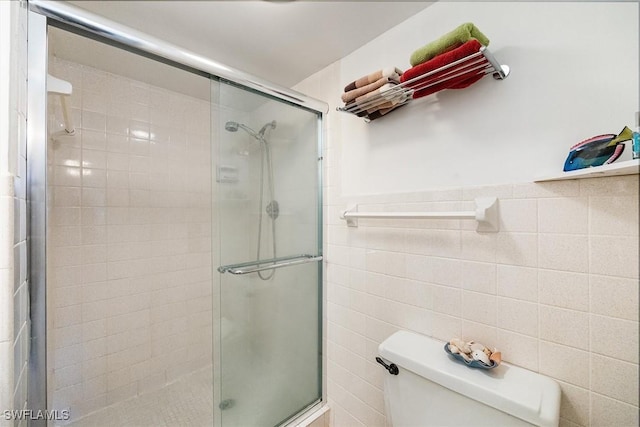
481	62
629	167
486	213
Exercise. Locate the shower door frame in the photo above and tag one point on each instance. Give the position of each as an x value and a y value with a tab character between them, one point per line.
44	13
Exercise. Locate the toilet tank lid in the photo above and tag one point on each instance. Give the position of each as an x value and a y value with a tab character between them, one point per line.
519	392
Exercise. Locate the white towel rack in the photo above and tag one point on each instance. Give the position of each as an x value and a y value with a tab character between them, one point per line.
481	62
486	213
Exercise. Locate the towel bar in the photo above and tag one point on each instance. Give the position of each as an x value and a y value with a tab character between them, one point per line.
268	264
486	213
481	62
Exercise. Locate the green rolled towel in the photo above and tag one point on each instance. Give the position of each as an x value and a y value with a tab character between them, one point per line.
451	40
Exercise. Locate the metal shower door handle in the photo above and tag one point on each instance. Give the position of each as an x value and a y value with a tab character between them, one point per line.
268	264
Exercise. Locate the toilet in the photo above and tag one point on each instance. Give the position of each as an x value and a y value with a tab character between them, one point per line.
432	389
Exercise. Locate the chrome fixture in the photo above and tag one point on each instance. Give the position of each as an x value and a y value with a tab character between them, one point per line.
274	263
272	208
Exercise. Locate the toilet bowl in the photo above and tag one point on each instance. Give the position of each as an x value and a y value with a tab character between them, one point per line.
432	389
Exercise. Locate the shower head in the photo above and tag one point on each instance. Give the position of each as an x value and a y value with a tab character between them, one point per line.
231	126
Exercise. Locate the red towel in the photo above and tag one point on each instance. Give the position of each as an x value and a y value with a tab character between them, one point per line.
459	82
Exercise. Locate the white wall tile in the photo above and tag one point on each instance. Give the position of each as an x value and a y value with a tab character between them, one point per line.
441	271
66	196
615	379
66	236
94	121
478	307
67	296
518	349
447	300
563	215
388	239
412	292
610	186
617	216
517	316
446	327
442	243
574	405
615	338
614	256
67	336
96	178
478	246
517	282
566	327
67	156
500	191
517	249
612	413
6	370
479	277
563	252
519	215
564	289
93	140
564	363
567	188
614	296
65	216
67	176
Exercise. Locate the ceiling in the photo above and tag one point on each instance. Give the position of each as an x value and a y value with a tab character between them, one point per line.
280	41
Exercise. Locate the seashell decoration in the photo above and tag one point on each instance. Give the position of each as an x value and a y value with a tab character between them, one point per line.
474	353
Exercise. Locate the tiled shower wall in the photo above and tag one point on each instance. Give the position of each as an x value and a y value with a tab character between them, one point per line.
130	277
14	298
556	289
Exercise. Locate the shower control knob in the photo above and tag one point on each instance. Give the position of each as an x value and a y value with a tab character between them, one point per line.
273	209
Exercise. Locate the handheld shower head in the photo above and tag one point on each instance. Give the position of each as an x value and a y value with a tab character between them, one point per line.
231	126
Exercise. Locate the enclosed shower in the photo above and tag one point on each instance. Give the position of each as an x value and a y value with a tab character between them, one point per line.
176	239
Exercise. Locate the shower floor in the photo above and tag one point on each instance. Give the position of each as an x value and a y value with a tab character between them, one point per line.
186	402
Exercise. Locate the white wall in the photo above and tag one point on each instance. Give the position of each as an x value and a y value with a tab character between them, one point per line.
574	74
556	290
14	331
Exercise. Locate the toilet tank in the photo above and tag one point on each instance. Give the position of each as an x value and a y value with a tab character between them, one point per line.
432	389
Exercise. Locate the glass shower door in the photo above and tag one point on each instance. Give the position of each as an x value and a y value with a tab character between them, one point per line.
269	236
